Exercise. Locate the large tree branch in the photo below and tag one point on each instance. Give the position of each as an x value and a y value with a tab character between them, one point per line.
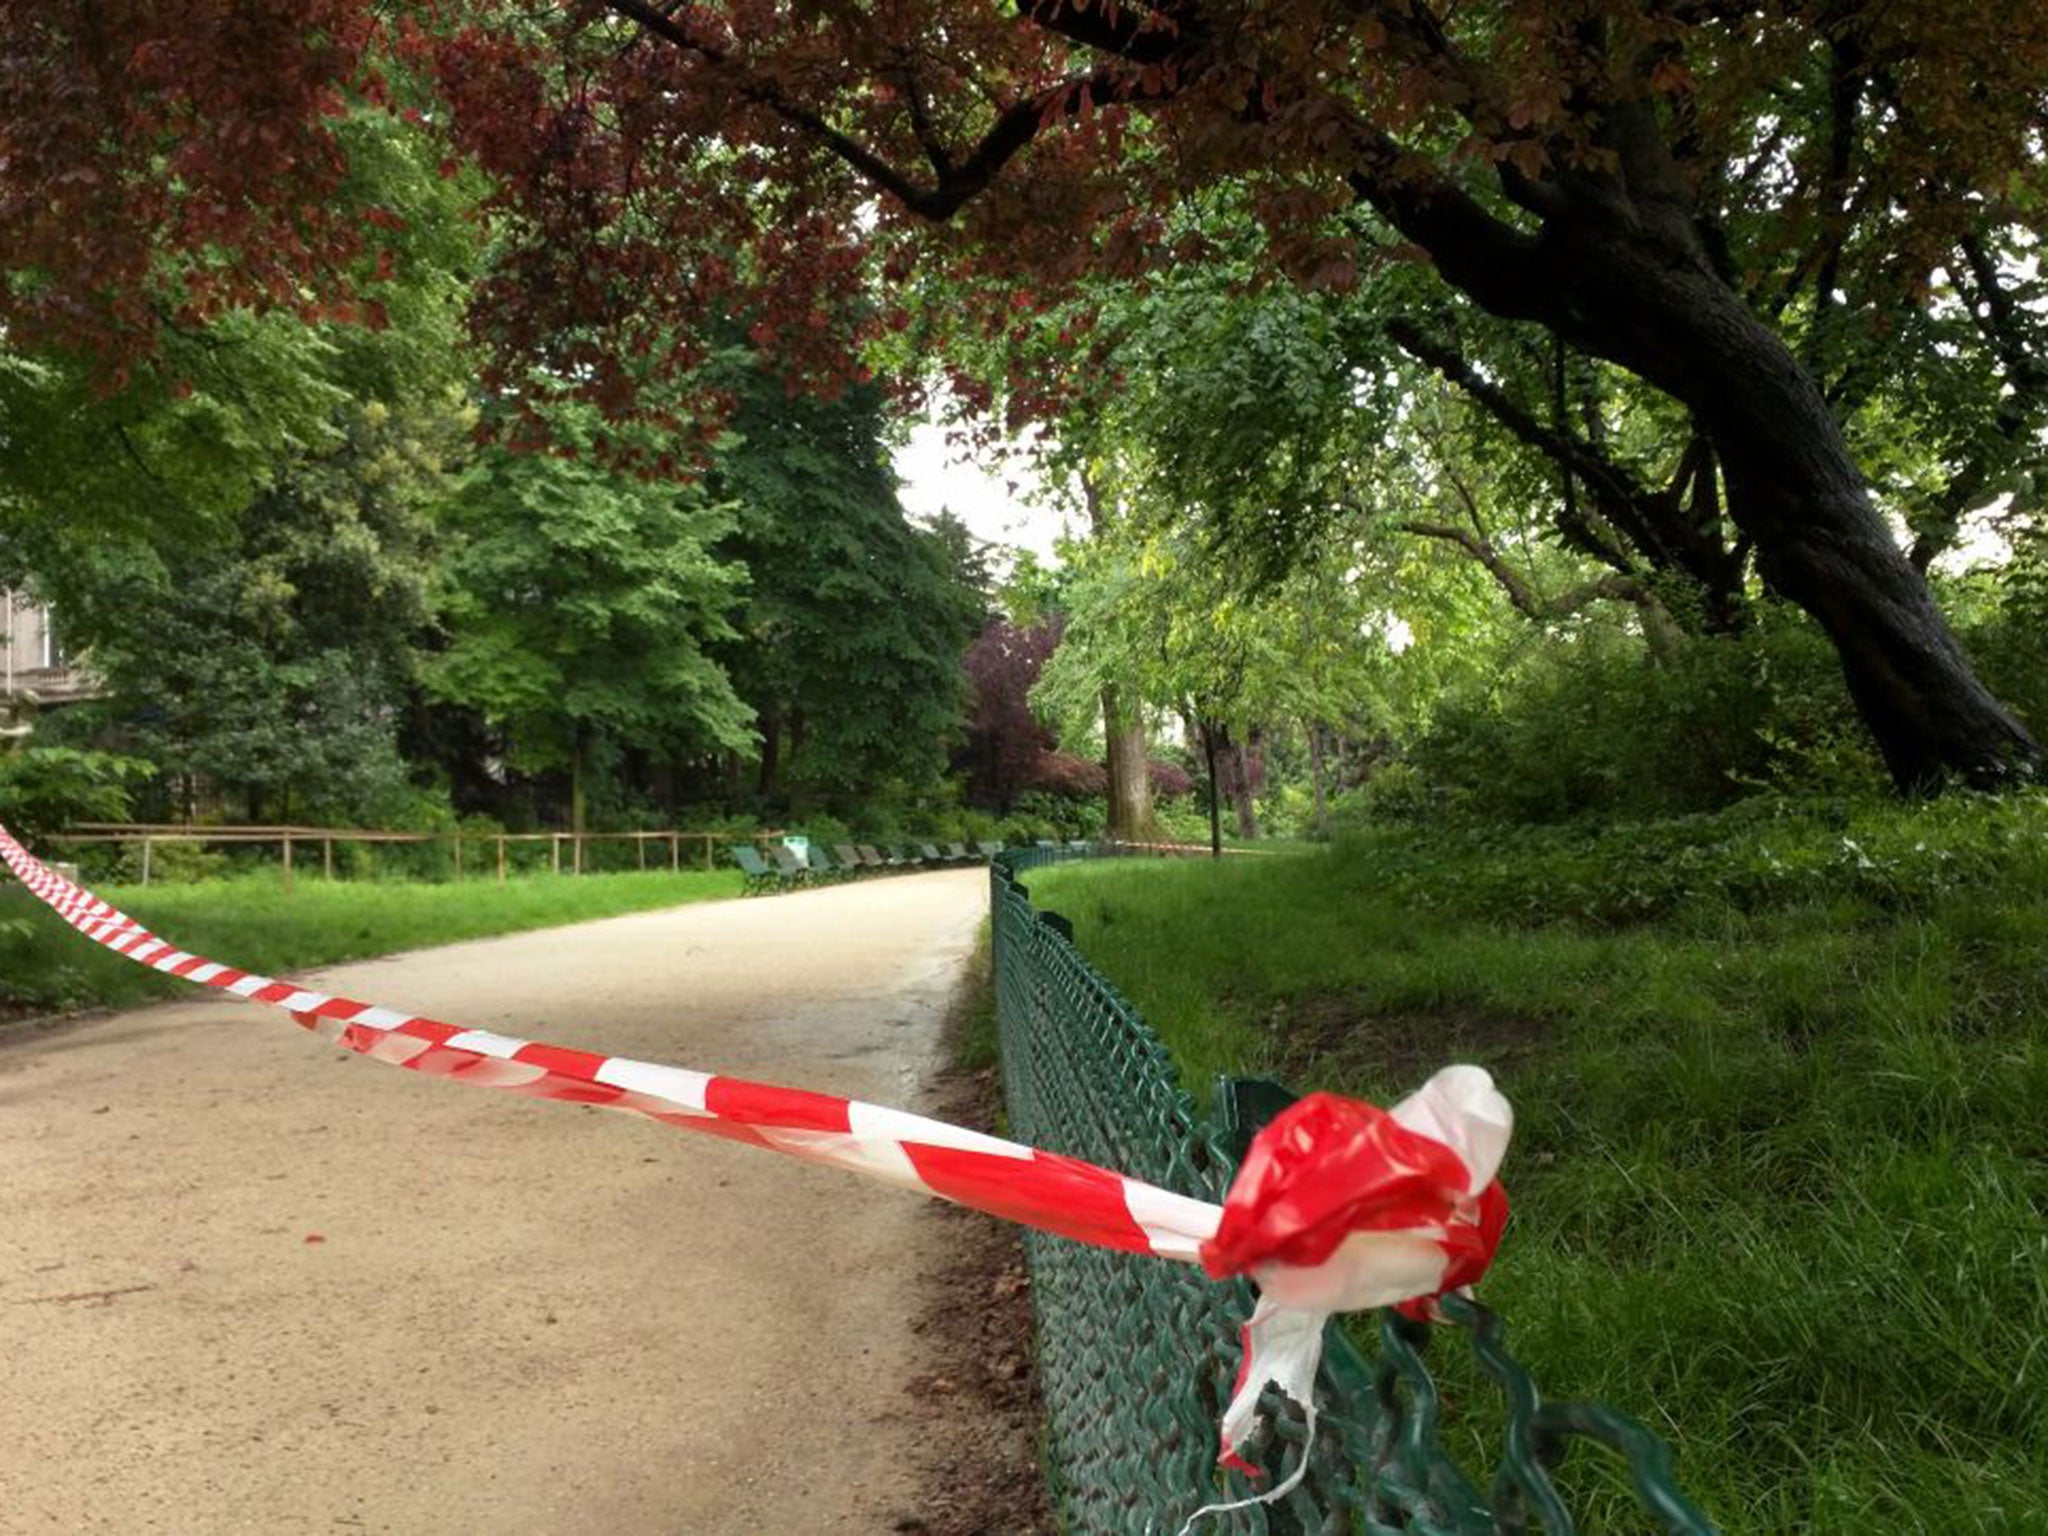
1526	600
1845	103
2000	320
1137	34
956	182
1613	488
1654	522
1489	259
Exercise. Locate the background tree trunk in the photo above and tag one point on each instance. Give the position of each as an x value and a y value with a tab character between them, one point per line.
1321	819
1215	800
1239	774
579	752
771	752
1130	779
1230	763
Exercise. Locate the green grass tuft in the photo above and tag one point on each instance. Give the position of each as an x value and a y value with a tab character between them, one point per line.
1781	1168
255	924
971	1029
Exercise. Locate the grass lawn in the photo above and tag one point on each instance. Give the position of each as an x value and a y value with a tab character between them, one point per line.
253	923
1780	1175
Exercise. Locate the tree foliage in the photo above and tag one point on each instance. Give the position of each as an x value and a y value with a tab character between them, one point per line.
276	663
1745	209
849	641
1006	744
580	606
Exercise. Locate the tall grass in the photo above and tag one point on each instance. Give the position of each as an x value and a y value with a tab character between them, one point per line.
1781	1168
254	923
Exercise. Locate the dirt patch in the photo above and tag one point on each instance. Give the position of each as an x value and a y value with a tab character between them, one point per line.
1343	1035
979	1468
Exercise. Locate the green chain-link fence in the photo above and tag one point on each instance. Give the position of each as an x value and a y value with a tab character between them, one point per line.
1137	1354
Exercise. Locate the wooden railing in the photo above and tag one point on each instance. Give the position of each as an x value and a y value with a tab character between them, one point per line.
290	838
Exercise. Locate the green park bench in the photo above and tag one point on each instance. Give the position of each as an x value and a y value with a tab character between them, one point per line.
759	876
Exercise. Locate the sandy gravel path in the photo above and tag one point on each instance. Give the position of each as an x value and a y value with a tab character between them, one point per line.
250	1283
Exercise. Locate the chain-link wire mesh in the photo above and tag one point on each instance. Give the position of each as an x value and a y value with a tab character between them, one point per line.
1137	1355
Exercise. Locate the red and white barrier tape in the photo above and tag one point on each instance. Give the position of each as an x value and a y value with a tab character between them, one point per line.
1339	1205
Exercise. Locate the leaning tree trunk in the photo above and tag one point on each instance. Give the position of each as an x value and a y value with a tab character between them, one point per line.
1794	489
1621	269
1130	780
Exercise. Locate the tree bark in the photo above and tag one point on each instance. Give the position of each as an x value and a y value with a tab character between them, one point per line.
1620	269
579	752
1321	818
1230	774
1241	802
771	752
1794	490
1215	802
1130	779
1123	728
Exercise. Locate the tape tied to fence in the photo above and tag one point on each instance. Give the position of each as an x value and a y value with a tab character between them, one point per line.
1338	1206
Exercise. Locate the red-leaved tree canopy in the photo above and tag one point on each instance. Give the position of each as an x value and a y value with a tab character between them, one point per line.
1613	171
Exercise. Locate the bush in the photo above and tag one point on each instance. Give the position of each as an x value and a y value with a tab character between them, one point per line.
1595	725
171	862
1184	821
826	831
45	789
1397	791
1170	781
1767	853
1059	817
1063	773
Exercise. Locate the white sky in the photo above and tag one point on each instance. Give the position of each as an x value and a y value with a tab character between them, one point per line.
977	491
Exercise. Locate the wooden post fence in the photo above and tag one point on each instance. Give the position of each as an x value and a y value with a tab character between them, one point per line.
288	838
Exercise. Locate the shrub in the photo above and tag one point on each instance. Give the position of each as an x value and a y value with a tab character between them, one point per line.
1060	817
1063	773
1594	724
1767	853
44	789
1170	781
